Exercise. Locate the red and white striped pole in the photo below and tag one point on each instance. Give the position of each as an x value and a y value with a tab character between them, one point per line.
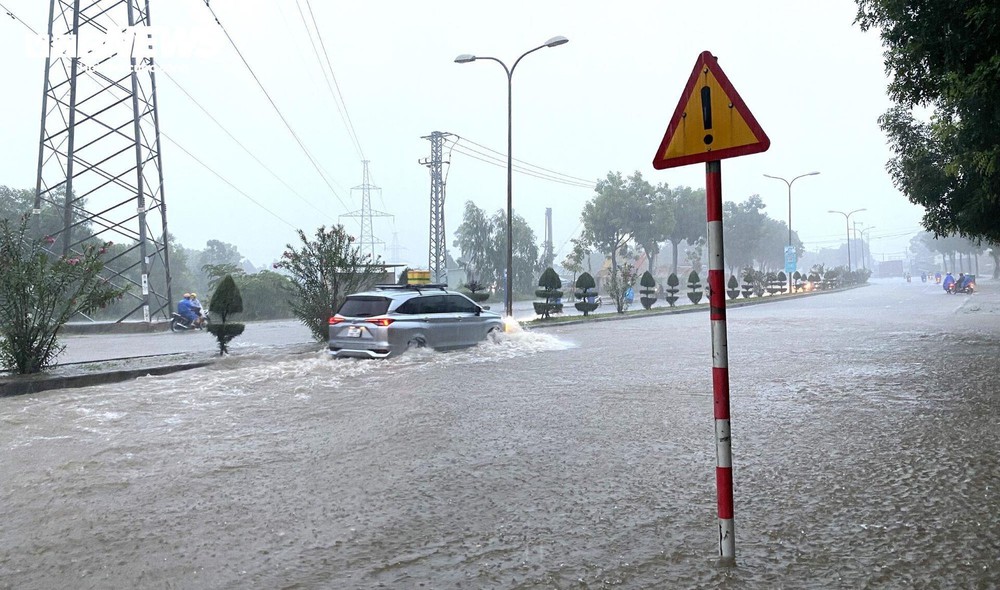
720	361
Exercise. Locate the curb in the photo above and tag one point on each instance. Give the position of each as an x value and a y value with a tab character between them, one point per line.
730	304
12	386
114	327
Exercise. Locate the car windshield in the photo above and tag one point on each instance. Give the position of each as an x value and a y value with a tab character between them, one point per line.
364	307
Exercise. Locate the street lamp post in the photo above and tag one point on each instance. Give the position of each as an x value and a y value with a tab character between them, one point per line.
466	58
864	258
847	222
789	183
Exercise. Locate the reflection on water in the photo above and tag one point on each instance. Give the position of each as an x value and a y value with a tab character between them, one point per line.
579	456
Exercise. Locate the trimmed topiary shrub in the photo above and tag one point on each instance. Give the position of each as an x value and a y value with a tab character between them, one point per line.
733	287
476	291
550	284
586	294
226	301
648	292
672	290
694	286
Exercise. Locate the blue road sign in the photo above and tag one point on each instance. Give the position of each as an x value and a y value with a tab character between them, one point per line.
791	260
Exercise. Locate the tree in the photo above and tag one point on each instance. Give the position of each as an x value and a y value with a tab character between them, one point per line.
483	244
550	291
648	291
216	272
744	227
574	260
475	240
218	253
266	295
943	56
40	292
689	218
612	217
225	302
622	280
324	271
586	293
657	223
50	222
752	238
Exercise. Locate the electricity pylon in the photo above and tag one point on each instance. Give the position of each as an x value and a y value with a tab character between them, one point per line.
99	172
437	251
367	239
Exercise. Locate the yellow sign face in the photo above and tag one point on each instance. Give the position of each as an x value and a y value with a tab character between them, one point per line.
711	121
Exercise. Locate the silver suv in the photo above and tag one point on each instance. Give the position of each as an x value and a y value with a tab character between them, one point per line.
393	318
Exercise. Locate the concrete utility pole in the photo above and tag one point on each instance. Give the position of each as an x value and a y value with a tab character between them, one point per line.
547	254
99	147
437	251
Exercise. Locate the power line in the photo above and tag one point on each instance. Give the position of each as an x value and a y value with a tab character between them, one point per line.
14	16
171	140
503	155
223	179
502	163
305	150
239	143
344	114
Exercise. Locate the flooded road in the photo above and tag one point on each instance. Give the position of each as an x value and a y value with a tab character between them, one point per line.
581	456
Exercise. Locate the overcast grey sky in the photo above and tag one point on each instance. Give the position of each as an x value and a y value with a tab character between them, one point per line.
600	103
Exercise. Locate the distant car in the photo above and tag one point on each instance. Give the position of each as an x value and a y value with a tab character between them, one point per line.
391	319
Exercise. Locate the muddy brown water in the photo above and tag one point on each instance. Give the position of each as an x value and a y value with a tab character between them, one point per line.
582	456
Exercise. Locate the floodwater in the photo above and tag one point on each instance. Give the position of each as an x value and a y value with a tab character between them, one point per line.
864	443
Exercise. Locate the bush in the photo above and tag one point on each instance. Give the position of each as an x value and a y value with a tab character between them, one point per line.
39	292
672	290
694	287
226	301
586	289
648	291
621	281
324	272
733	287
550	284
476	292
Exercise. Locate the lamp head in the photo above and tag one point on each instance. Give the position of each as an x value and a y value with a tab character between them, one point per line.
465	58
559	40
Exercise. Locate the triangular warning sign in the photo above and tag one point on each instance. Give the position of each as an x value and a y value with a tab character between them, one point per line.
710	123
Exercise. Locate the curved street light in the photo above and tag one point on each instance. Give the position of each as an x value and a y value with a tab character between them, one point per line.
789	183
468	58
847	218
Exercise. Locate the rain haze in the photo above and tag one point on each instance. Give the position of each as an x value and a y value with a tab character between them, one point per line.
600	103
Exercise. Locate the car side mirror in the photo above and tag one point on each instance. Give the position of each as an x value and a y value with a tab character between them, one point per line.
479	310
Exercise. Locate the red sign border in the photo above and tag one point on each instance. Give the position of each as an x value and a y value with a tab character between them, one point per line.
706	59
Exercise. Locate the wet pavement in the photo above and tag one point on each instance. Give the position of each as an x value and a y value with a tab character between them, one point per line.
578	456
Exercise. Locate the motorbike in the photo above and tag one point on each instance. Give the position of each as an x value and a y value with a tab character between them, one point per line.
179	324
968	289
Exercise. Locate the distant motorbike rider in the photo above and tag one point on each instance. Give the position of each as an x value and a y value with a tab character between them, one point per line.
949	282
196	308
186	311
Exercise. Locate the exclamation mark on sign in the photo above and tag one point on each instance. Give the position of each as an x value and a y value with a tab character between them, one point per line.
706	112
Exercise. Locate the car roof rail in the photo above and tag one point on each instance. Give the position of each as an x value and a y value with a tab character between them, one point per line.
413	287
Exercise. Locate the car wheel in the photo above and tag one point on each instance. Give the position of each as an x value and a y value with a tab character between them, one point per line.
493	335
415	343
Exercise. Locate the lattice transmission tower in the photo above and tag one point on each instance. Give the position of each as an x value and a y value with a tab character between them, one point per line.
367	240
437	252
99	170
